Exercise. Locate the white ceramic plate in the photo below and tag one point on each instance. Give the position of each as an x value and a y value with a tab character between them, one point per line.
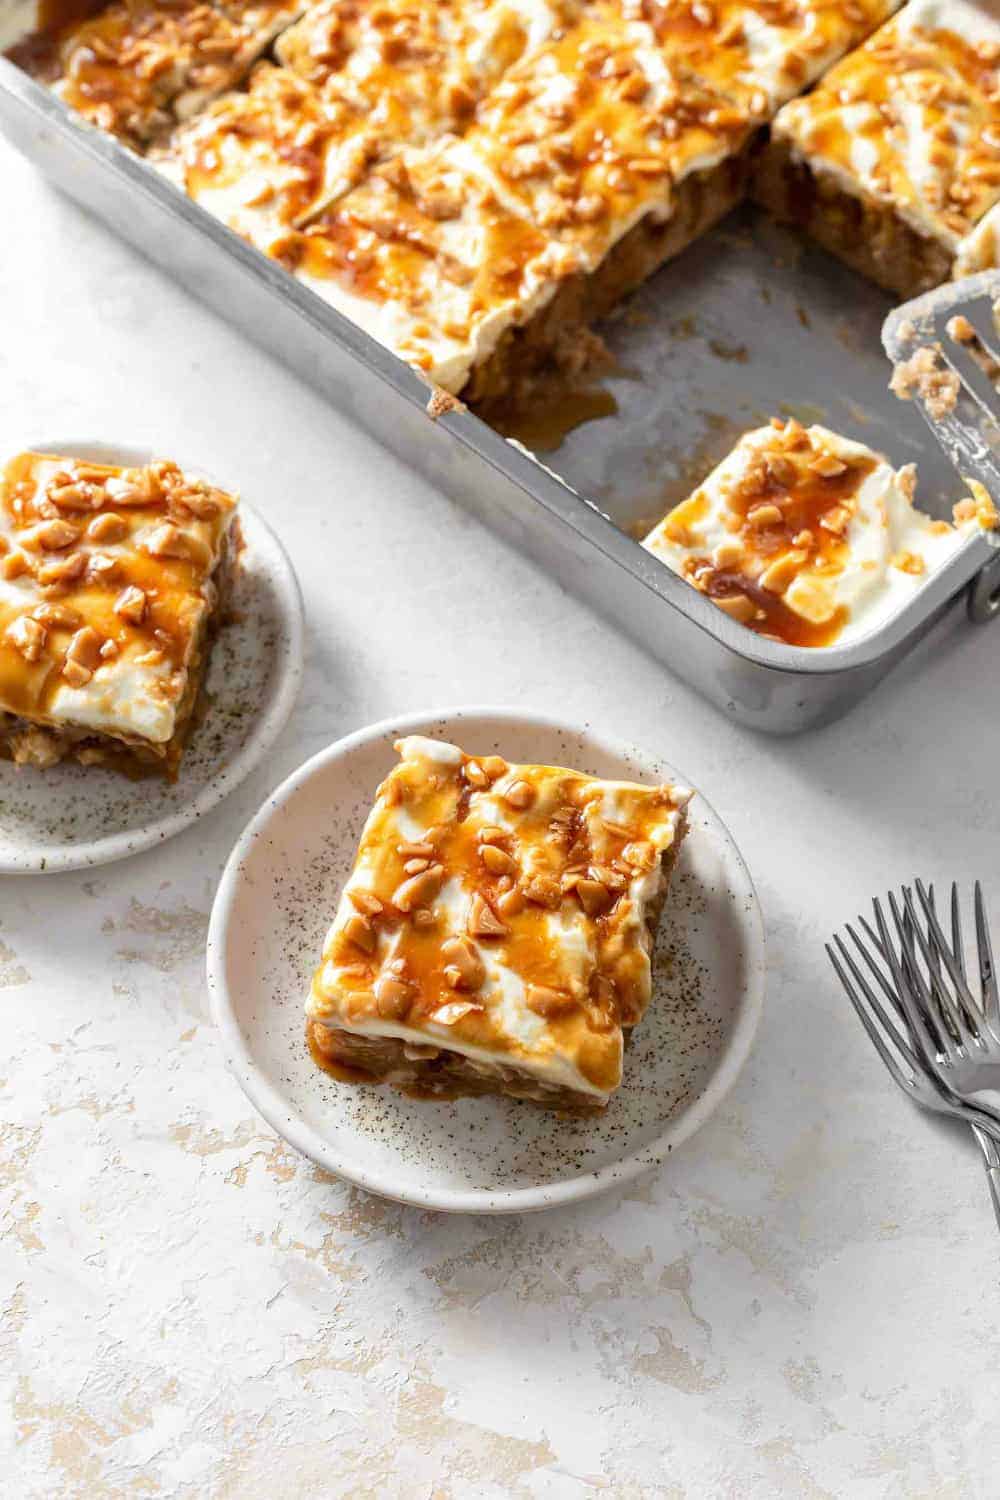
72	817
275	902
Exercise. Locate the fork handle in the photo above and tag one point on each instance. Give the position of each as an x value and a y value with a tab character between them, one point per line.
991	1161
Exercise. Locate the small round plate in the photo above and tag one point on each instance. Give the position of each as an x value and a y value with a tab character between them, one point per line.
277	897
72	816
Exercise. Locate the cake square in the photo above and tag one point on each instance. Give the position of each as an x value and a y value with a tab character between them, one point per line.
112	584
895	157
417	67
805	536
139	65
592	133
760	52
424	257
495	933
267	160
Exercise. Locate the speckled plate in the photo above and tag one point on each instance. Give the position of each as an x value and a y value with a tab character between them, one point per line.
274	904
72	817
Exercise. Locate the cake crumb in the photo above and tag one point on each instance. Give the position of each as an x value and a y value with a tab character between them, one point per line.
441	401
923	375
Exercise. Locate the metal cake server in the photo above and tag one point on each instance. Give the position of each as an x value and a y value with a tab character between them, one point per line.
945	346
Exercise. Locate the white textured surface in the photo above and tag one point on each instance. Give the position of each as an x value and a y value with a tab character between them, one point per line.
802	1303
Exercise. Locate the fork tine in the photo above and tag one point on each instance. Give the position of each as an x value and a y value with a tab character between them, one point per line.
951	1013
987	970
883	983
957	946
895	1071
888	1025
956	972
925	1042
905	928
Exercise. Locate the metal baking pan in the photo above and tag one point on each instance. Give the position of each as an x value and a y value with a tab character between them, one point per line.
747	324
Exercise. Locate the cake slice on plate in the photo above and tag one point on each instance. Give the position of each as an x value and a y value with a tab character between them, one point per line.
113	582
495	933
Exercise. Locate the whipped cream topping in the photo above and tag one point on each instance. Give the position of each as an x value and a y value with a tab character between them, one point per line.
105	588
805	536
499	911
268	159
417	68
761	52
138	65
912	118
425	259
591	132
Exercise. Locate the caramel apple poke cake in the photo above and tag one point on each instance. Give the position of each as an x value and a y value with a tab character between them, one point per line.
809	538
474	182
113	582
496	931
894	158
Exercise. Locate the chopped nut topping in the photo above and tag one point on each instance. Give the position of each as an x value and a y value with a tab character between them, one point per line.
134	487
464	967
764	515
55	536
543	890
131	604
639	854
423	850
167	541
475	774
594	897
419	889
75	674
519	794
497	860
483	920
74	495
27	635
393	997
365	902
85	648
548	1002
62	572
107	529
13	565
837	520
908	562
491	835
827	465
58	616
359	931
960	329
510	903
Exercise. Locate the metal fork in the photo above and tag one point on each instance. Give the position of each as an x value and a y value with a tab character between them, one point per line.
940	1048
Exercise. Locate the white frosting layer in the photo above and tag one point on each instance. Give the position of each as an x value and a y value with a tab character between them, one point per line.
889	547
444	311
561	942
